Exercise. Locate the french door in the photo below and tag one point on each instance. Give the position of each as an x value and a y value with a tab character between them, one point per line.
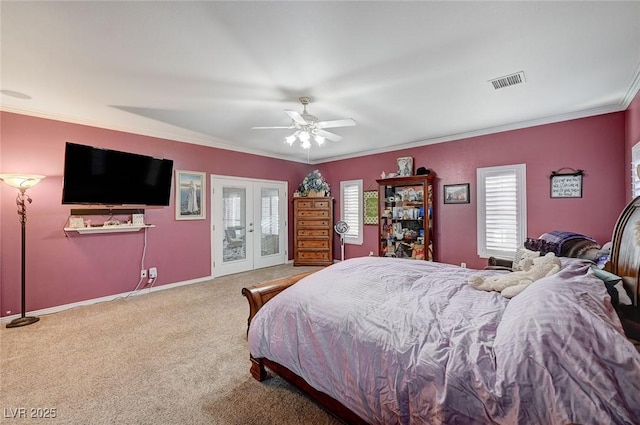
248	224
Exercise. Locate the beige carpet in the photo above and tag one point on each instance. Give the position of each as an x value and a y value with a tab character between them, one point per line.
178	356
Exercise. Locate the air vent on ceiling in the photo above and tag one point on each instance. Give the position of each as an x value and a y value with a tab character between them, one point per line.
508	80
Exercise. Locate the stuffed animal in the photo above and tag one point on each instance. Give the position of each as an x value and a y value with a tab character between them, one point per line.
511	284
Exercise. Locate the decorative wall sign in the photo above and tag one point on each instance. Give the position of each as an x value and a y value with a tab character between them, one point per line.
76	222
370	206
566	185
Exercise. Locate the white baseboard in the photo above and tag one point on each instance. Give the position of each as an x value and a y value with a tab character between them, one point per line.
59	308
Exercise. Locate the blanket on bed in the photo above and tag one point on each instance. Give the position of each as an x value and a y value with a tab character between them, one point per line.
401	341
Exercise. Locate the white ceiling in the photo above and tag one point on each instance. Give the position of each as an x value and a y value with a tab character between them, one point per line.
409	73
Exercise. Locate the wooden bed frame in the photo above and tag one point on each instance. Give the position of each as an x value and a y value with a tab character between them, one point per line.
624	262
257	297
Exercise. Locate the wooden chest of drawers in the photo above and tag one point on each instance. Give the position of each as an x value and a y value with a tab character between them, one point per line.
313	231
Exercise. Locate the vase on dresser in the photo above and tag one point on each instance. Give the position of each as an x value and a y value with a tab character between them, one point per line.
316	194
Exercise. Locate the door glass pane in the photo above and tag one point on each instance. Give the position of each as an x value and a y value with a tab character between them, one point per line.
234	204
269	222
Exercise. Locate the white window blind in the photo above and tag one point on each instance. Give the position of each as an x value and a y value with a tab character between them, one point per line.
270	218
231	212
635	170
501	210
351	209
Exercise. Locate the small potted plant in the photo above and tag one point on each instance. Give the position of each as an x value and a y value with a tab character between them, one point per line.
314	185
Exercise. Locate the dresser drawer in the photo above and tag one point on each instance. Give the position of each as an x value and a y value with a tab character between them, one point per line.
313	255
313	213
313	232
304	204
323	204
313	223
313	243
314	203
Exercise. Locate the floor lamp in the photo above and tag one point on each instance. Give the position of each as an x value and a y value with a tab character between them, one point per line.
22	182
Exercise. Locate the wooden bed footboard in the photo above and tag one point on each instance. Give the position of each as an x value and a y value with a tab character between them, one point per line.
259	295
331	405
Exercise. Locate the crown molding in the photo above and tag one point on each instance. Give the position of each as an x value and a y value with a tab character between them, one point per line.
634	88
218	144
485	131
210	142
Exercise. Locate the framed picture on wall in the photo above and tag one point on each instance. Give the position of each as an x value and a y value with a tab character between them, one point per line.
370	206
190	195
405	166
456	193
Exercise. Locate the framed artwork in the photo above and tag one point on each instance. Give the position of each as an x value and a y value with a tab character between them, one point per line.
405	166
190	195
370	206
456	193
567	185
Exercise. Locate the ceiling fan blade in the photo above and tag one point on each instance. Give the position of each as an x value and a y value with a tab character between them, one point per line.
328	135
347	122
266	128
295	116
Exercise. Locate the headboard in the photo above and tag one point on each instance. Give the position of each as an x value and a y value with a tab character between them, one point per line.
625	248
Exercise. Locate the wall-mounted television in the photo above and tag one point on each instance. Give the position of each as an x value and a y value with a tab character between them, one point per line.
98	176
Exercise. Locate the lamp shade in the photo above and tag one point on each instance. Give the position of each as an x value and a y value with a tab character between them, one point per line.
21	181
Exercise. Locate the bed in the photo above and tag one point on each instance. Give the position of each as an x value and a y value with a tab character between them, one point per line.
386	341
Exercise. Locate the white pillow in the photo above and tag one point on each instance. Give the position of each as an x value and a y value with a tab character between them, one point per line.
521	255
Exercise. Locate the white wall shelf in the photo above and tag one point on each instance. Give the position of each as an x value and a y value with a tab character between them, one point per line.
109	229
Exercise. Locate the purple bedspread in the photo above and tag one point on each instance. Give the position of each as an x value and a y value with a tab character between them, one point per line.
400	341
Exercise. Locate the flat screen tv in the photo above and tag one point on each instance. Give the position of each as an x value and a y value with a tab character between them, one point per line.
97	176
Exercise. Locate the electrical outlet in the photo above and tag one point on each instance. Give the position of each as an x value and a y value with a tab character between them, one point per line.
153	272
463	265
143	274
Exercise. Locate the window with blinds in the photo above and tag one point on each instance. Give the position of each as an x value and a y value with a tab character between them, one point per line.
502	210
232	204
351	210
269	211
635	170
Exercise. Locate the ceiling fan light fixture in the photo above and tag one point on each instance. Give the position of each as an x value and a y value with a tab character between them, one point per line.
303	136
290	139
308	126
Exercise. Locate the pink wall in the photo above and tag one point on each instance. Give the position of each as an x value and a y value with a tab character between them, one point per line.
632	135
596	145
63	270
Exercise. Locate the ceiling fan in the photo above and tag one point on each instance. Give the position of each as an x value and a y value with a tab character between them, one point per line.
308	126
